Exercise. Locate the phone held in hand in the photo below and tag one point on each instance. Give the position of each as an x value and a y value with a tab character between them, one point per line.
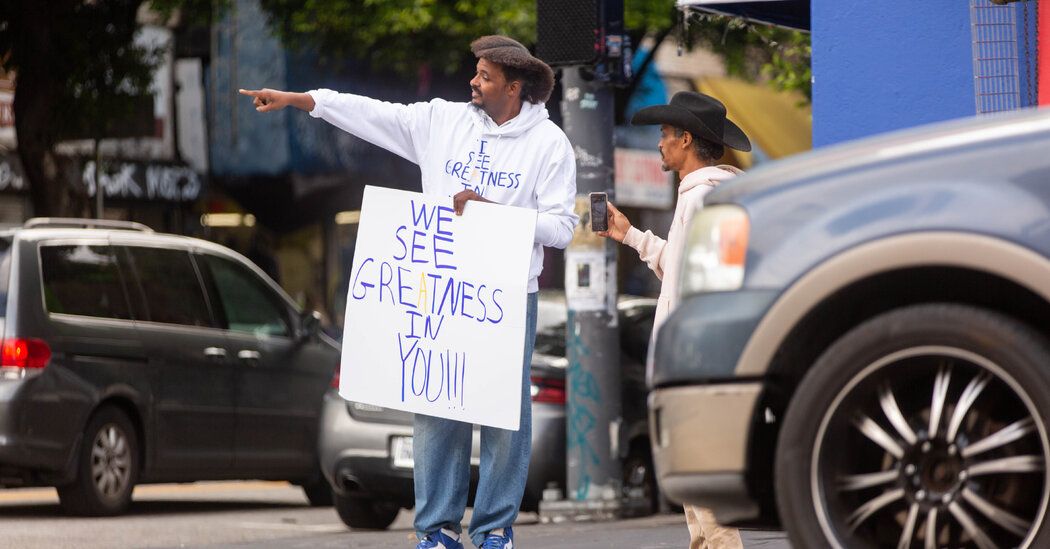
599	212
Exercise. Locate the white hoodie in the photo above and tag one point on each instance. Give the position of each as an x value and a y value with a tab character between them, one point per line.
526	162
665	256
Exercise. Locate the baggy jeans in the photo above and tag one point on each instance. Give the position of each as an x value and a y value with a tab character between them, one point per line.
441	450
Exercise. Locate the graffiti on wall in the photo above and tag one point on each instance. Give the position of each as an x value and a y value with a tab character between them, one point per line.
142	181
11	176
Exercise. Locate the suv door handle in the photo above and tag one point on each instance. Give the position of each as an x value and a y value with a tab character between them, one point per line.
248	355
215	352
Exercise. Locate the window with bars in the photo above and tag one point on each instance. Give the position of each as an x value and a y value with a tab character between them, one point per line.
1002	57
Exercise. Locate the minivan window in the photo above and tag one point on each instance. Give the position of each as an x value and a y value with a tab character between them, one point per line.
170	285
5	273
250	306
82	280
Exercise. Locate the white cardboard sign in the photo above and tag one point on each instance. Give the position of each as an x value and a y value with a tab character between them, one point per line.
435	311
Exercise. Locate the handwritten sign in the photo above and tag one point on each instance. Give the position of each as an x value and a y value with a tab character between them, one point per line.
435	311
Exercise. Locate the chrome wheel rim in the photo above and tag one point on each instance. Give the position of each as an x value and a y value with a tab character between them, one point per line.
931	447
111	462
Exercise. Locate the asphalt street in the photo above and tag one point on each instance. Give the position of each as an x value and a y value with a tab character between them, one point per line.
276	515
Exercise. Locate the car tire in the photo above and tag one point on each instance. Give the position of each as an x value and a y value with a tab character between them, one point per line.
930	414
639	478
107	467
318	492
365	513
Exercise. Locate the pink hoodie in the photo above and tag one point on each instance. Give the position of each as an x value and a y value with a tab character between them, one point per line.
664	256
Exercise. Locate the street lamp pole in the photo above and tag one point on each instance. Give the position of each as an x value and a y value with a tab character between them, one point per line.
593	410
586	39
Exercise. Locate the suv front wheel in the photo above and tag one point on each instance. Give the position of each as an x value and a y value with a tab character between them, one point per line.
107	467
923	427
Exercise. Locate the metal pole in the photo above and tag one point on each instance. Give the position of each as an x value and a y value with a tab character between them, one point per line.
593	408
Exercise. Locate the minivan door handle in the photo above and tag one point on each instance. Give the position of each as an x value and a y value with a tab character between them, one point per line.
215	352
248	355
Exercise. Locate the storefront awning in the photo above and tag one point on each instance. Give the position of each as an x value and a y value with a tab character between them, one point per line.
774	121
785	13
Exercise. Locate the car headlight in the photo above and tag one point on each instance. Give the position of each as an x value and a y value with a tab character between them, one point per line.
715	250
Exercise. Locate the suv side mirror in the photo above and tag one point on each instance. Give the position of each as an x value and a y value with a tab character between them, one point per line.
309	324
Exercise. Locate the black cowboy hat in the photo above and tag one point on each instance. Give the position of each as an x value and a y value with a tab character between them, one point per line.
508	52
699	114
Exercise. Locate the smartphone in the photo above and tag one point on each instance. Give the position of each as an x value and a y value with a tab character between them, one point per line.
599	212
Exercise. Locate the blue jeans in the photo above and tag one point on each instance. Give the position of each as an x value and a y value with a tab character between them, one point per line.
442	464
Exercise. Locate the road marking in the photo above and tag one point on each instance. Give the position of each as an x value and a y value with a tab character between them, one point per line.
319	528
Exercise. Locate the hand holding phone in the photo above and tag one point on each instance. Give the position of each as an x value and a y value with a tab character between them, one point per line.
599	212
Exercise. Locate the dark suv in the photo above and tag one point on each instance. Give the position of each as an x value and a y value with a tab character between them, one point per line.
131	357
863	343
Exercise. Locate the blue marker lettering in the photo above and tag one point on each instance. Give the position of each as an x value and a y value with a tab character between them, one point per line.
386	276
450	287
436	278
401	287
442	210
363	284
404	359
404	249
445	251
496	303
412	324
464	299
432	334
441	376
426	370
415	237
484	309
421	216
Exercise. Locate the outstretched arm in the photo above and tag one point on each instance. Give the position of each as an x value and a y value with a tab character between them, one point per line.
266	100
400	129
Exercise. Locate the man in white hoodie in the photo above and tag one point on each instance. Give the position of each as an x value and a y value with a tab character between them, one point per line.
501	147
693	133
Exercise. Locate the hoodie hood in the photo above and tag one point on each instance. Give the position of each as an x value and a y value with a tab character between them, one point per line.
530	115
711	176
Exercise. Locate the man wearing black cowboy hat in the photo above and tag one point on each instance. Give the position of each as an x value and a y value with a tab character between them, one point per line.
693	133
500	147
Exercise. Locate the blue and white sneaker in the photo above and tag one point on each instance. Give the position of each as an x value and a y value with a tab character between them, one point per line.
442	539
499	539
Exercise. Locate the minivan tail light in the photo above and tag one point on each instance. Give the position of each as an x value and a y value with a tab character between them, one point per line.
550	390
24	352
335	377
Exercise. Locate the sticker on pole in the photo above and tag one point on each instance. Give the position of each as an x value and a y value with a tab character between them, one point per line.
435	311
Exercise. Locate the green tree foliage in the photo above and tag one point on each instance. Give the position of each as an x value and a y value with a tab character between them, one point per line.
753	51
399	34
403	34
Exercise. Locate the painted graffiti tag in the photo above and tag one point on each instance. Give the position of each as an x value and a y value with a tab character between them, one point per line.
581	420
143	181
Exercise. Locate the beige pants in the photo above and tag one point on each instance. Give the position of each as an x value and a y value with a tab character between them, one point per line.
705	533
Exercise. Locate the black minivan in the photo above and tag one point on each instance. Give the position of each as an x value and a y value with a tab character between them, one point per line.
129	356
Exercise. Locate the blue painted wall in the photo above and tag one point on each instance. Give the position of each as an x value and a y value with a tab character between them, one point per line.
242	141
886	65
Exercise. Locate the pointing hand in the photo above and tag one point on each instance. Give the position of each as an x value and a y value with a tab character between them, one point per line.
267	100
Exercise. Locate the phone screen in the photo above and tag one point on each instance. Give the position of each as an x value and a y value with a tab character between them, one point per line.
599	212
